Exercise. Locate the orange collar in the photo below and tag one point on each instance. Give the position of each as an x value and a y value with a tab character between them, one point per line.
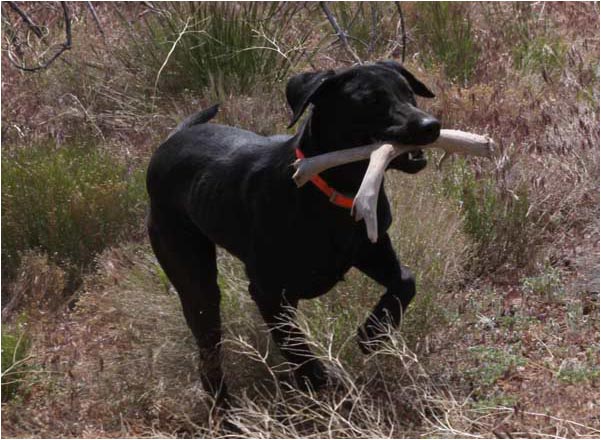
334	196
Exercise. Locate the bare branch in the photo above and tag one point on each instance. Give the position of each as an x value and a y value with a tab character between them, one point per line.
403	33
34	27
341	34
373	34
63	47
179	37
95	17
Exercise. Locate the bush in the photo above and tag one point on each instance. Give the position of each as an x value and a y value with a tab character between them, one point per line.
226	46
70	203
38	289
497	217
449	38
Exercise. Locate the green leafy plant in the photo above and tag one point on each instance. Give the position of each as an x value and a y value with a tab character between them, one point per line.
70	202
493	363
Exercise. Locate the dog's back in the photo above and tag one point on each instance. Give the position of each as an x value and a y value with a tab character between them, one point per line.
213	175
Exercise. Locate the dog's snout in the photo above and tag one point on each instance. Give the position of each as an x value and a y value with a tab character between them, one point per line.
424	129
429	126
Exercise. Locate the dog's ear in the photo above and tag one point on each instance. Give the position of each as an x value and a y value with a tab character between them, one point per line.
418	87
302	88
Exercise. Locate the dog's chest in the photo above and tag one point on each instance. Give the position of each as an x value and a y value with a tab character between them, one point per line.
321	262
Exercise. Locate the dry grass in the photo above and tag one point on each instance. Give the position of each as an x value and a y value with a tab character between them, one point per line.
503	337
124	365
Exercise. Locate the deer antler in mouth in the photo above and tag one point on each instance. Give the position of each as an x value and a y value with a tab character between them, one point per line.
380	155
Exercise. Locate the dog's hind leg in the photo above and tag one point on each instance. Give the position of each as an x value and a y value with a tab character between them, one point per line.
279	314
379	262
189	260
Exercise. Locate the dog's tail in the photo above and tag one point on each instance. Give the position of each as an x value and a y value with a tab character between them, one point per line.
200	117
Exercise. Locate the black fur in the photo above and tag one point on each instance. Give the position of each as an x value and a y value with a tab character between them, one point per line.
214	185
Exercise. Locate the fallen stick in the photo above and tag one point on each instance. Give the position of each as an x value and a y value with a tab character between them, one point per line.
451	141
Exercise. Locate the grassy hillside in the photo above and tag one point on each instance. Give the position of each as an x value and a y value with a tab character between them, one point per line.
502	339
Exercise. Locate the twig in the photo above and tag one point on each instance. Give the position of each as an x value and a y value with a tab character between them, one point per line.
374	31
64	46
403	33
179	37
341	34
95	17
34	27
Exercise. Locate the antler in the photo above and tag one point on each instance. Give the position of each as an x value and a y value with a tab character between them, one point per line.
451	141
365	205
380	155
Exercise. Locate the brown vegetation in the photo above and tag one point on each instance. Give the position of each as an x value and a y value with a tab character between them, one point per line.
503	337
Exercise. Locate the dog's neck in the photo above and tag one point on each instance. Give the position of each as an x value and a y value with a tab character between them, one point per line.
317	138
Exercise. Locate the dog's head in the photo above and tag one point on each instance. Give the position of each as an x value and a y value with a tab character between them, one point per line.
365	104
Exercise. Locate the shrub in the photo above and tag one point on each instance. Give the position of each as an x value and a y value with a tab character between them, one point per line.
496	216
449	38
38	288
226	46
372	28
493	363
70	203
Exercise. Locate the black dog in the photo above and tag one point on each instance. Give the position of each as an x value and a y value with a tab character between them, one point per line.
216	185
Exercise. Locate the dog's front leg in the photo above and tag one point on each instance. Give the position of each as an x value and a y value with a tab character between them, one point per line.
279	314
379	262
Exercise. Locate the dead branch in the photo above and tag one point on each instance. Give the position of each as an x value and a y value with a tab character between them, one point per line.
63	47
403	33
95	17
34	27
341	34
373	34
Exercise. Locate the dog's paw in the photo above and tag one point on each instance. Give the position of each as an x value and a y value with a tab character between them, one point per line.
312	375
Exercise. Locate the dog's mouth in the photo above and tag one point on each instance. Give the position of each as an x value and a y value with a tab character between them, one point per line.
414	156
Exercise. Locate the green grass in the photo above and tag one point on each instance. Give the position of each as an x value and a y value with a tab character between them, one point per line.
536	46
69	202
446	30
15	346
541	54
227	47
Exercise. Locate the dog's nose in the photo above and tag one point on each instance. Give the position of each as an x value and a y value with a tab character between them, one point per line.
425	129
429	126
